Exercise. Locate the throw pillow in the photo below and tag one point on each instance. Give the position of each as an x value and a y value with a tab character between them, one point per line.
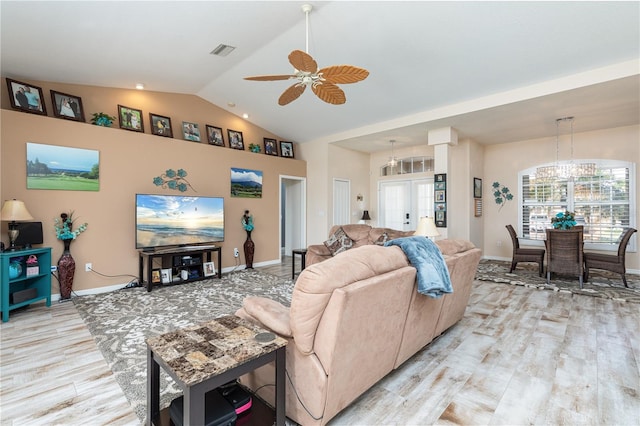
382	239
338	242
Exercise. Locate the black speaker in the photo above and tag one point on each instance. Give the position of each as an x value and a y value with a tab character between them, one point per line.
30	233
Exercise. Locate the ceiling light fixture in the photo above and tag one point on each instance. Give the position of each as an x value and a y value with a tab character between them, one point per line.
245	115
393	161
139	86
568	170
222	50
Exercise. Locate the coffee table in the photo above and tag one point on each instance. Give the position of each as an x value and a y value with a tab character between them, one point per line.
203	357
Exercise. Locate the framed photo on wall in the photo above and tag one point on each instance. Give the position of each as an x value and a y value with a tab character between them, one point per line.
214	135
160	125
235	139
67	106
270	147
286	149
477	187
130	119
191	131
26	97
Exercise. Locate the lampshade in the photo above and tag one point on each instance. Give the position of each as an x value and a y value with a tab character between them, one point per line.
427	228
15	211
365	215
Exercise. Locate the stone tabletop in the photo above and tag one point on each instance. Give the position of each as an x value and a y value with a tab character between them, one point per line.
202	351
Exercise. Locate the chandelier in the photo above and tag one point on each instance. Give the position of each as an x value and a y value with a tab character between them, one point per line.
568	170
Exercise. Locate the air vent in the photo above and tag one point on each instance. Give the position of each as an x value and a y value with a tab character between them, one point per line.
222	50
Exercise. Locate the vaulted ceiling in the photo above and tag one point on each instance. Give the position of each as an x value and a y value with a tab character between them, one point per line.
495	71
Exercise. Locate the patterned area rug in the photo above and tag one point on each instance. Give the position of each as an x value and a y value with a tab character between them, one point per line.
601	283
121	321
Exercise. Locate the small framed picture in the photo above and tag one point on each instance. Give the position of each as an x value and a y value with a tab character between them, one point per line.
26	97
477	207
190	131
214	135
155	276
209	269
165	276
235	139
160	125
441	219
286	149
441	177
67	106
477	187
440	196
130	119
440	185
270	147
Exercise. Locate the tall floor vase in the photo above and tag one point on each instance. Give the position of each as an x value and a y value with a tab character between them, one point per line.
66	271
249	248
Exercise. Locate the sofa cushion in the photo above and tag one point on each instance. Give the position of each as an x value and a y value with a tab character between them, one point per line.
338	242
450	247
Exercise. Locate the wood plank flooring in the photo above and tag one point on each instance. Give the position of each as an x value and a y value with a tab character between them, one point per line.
519	356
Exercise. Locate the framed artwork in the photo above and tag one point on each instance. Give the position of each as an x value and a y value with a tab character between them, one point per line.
209	269
130	119
477	207
26	97
270	147
214	135
246	183
67	106
62	167
235	139
190	131
286	149
165	276
155	276
440	177
477	187
441	219
440	185
160	125
441	196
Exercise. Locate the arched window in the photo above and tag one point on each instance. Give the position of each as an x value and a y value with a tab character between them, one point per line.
602	203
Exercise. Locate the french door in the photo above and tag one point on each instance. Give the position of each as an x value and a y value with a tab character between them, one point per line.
402	202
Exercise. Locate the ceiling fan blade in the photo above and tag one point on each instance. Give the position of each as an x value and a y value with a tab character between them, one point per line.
329	93
270	77
291	94
343	74
303	61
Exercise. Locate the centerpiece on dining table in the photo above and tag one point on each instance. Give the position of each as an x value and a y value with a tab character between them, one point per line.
564	220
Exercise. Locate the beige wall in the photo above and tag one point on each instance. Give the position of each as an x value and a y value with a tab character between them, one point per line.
503	162
128	163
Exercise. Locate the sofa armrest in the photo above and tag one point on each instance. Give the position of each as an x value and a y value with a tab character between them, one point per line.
317	253
268	313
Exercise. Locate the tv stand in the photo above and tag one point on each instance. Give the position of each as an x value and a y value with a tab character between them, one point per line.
178	265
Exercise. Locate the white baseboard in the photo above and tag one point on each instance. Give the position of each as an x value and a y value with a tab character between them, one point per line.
508	259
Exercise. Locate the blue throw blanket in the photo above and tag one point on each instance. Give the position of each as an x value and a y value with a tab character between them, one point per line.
425	256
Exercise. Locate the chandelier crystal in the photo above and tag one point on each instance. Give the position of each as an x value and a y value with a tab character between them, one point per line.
569	170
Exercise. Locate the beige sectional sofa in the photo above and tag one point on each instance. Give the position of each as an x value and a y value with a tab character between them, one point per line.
353	319
357	235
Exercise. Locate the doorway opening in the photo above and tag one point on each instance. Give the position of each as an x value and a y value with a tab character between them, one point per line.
293	213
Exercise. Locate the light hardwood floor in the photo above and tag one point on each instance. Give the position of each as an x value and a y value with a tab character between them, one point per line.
519	356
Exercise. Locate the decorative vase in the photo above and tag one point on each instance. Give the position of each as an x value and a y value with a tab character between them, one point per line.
66	271
249	248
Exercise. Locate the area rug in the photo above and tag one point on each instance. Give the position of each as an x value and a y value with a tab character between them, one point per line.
121	321
601	283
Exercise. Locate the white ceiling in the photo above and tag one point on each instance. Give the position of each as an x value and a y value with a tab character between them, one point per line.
495	71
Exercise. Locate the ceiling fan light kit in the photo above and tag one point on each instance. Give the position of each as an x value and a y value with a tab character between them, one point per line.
323	82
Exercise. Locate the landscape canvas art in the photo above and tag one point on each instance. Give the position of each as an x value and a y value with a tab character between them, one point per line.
62	168
246	183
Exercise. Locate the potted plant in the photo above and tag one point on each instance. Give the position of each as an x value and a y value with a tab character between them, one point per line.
564	220
253	147
102	119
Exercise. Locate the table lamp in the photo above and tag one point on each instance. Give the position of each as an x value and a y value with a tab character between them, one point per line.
427	228
14	211
365	217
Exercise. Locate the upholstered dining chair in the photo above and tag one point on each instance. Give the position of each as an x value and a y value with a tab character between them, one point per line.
564	252
610	262
524	254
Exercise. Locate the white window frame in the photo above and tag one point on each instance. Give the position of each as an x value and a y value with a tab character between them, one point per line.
570	202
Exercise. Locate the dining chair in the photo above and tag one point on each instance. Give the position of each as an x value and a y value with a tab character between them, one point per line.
565	252
610	262
524	254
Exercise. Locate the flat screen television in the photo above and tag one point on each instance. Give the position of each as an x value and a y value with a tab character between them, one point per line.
178	220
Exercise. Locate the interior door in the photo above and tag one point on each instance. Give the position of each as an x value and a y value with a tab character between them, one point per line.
341	206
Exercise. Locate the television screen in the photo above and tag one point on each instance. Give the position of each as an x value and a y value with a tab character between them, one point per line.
178	220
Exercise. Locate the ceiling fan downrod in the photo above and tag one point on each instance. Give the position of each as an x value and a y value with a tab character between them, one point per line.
306	8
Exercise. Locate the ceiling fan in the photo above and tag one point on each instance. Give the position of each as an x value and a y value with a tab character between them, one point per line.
323	81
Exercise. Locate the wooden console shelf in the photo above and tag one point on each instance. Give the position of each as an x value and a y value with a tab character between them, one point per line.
36	286
175	262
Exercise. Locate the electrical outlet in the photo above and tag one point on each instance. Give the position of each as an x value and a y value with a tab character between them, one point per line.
87	267
54	268
236	253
